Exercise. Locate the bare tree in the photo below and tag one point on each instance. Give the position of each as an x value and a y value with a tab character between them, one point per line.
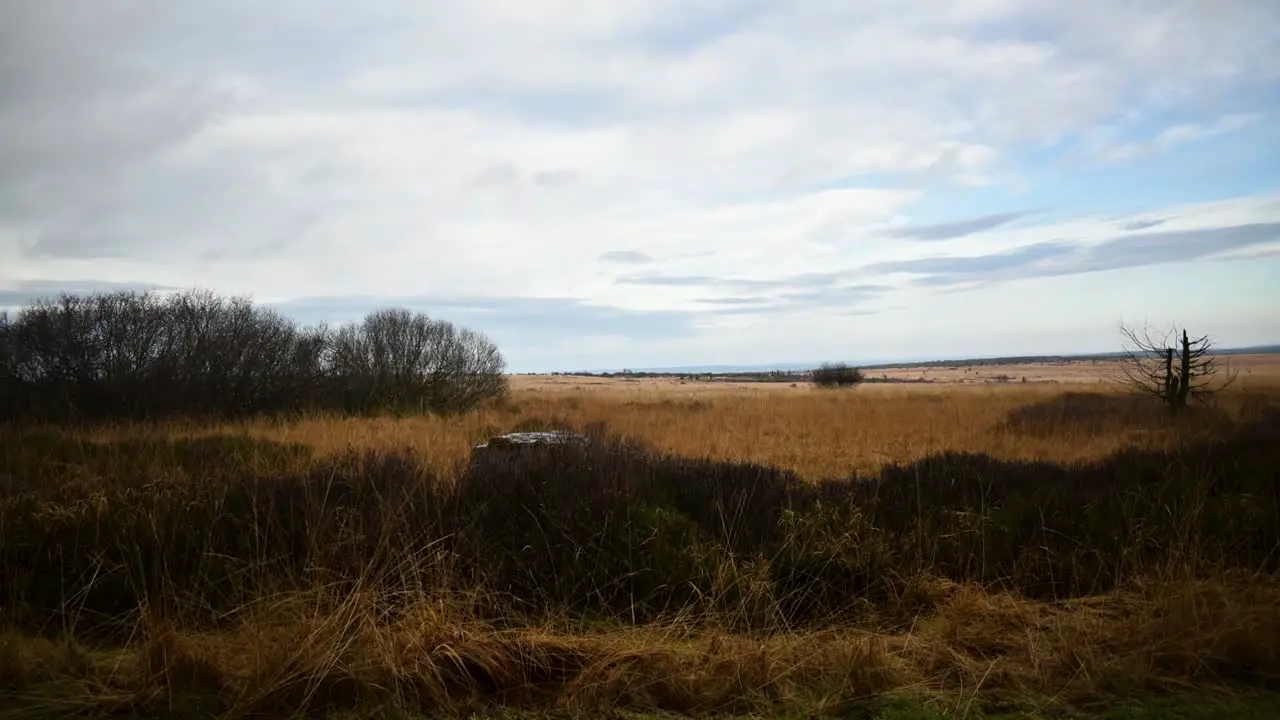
8	359
195	353
1172	366
833	375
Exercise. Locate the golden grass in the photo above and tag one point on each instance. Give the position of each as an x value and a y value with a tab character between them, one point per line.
817	433
299	652
956	642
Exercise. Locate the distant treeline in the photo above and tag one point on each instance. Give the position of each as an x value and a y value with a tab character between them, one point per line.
131	354
764	376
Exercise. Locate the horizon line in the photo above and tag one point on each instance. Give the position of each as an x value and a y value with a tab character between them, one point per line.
726	369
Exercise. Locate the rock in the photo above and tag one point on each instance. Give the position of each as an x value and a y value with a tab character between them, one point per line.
520	440
504	448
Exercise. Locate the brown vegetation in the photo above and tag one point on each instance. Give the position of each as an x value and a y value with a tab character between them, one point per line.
719	550
815	433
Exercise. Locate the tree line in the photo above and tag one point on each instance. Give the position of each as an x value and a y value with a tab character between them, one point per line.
130	354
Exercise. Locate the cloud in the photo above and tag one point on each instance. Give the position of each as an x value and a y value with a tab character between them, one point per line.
837	296
703	281
957	228
526	329
529	152
733	301
1059	258
566	316
79	242
85	120
1135	225
805	291
948	270
676	280
1108	149
1158	248
19	293
626	257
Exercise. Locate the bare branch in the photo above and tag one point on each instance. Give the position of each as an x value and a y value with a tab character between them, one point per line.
1172	367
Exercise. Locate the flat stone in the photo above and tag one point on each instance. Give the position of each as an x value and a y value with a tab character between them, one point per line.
534	439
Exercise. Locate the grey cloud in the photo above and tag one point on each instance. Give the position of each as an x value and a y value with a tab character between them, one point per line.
1054	259
529	320
17	293
506	176
220	211
80	111
731	301
101	103
289	230
1136	225
544	105
497	175
670	280
554	178
848	299
626	257
1176	246
89	122
965	266
838	295
759	305
804	290
80	243
957	228
528	330
514	322
740	284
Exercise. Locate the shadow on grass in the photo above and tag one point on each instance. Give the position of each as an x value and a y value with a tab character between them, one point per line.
615	529
43	461
1085	413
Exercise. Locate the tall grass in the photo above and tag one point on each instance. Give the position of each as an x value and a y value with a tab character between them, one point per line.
259	569
814	433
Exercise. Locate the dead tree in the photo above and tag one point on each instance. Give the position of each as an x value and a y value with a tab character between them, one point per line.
1172	368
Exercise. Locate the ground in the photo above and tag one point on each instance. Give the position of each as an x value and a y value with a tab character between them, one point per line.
181	517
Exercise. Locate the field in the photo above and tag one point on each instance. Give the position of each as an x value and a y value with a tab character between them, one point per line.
961	548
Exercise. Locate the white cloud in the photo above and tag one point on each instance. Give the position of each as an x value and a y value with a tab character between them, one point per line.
301	149
1106	148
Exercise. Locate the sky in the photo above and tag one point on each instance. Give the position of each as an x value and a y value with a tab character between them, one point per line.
631	183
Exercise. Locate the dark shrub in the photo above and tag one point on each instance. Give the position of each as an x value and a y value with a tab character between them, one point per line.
579	523
831	375
138	355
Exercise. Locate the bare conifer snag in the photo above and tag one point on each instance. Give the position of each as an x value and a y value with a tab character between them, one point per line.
1175	369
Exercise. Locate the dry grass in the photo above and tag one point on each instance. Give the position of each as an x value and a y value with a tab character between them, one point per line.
817	433
960	643
300	653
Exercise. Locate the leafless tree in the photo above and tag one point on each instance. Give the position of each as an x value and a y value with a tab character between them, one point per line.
193	353
1171	366
7	354
833	375
402	359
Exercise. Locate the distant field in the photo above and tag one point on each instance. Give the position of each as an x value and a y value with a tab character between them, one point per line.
1252	371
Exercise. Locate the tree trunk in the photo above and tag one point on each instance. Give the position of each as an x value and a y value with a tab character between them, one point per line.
1184	387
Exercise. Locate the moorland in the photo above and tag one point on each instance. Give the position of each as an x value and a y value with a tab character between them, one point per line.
1058	548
